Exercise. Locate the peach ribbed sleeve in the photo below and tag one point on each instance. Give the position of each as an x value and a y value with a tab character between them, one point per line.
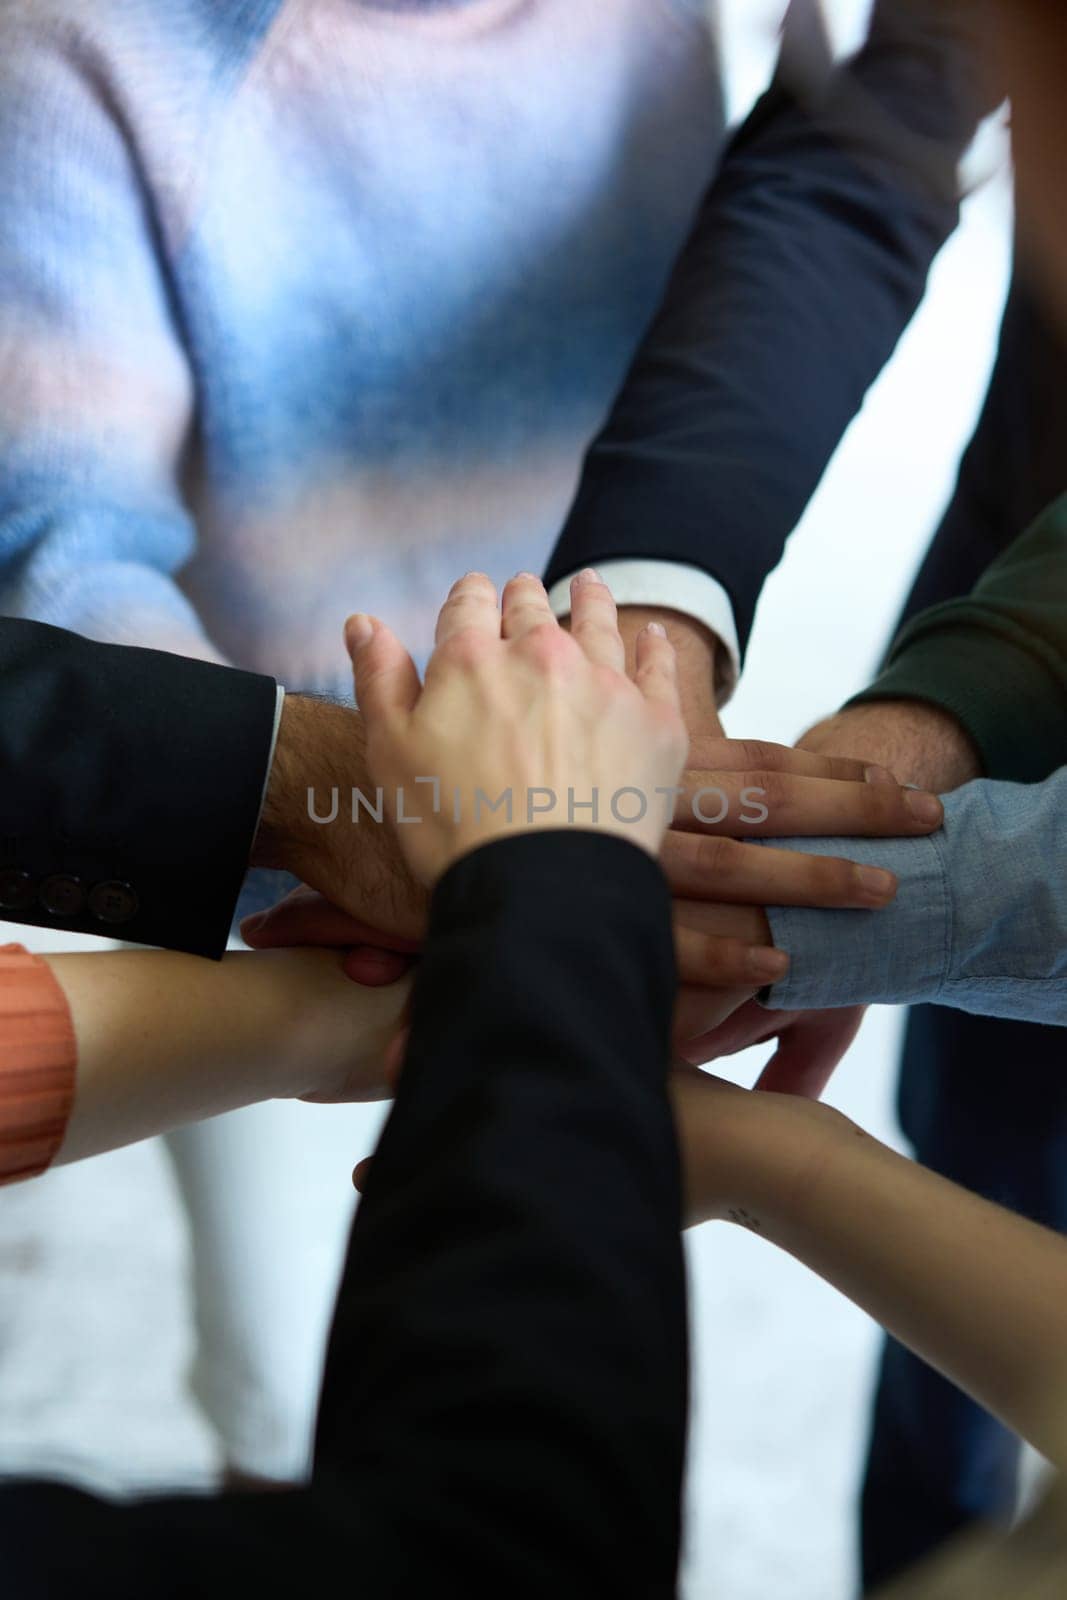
38	1058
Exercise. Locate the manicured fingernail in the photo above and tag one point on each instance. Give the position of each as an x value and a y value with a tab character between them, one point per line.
876	881
923	807
879	775
588	575
359	630
768	965
658	629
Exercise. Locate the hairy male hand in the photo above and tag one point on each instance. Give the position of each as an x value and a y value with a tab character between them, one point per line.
920	743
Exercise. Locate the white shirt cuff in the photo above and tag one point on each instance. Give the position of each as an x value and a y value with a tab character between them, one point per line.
278	705
676	586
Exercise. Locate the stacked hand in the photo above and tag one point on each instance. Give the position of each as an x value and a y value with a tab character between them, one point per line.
519	725
923	745
731	792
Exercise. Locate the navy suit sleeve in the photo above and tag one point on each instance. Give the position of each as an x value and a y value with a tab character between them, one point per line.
130	787
809	256
504	1405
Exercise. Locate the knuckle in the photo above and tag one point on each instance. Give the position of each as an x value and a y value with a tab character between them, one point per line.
715	854
758	753
546	643
595	627
774	788
610	685
465	649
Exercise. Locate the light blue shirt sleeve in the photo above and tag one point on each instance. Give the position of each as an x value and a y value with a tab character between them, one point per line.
979	921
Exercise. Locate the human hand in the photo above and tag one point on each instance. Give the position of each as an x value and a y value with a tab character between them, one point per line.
305	918
810	1044
356	864
514	705
725	958
339	1039
723	945
920	743
751	788
799	808
703	664
845	795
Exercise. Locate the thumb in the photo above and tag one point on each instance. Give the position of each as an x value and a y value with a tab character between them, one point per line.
385	677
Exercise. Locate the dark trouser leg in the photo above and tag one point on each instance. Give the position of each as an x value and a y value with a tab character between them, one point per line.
983	1101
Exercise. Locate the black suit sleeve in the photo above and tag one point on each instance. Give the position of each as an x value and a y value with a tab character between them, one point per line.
130	787
808	257
504	1405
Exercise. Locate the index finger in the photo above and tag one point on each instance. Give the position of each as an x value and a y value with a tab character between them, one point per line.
711	866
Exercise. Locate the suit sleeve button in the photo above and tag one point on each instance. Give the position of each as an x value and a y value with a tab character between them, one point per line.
113	902
18	890
62	896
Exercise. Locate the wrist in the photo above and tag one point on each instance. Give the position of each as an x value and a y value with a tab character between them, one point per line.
307	825
920	743
319	749
315	1033
345	1031
719	1144
751	1157
800	1141
265	995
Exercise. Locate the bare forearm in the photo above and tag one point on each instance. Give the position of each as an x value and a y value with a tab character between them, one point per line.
978	1292
320	759
320	747
168	1039
919	743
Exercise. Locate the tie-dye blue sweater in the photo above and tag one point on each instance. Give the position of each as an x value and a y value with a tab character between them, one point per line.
309	305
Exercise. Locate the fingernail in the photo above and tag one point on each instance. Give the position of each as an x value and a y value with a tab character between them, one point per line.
658	629
768	965
879	775
531	575
588	575
359	630
253	923
876	881
923	807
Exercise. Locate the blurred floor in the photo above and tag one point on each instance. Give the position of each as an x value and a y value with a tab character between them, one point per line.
94	1322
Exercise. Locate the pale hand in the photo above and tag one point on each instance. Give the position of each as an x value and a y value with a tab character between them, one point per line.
514	705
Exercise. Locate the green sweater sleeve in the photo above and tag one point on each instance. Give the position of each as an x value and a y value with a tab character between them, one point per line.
997	658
